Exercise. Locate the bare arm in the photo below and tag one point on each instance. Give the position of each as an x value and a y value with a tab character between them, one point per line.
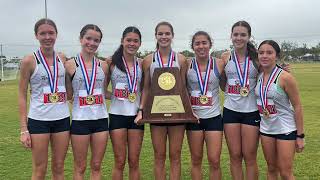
221	65
70	67
183	69
146	85
63	58
26	69
289	85
109	69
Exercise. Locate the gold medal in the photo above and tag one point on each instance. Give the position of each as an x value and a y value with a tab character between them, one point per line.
132	97
244	91
53	97
204	99
166	81
266	113
90	99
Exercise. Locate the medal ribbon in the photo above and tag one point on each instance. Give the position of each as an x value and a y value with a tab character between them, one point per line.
53	79
132	81
263	91
89	84
243	76
203	84
170	60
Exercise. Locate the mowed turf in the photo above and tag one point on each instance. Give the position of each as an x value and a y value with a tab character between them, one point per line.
15	161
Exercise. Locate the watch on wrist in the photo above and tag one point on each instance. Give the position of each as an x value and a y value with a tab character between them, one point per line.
300	135
139	109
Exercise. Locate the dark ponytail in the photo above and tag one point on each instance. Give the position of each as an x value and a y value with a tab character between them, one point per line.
252	51
116	58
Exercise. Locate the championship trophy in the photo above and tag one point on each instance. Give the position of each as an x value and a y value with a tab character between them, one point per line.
168	101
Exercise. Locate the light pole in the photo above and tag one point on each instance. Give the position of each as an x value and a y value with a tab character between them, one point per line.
2	74
45	8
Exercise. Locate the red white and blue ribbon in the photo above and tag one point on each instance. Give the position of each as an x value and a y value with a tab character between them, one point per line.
264	91
170	60
132	80
89	83
53	78
243	76
203	84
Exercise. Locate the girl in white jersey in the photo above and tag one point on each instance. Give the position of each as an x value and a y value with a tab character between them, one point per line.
240	114
281	114
160	132
203	77
86	83
48	118
126	76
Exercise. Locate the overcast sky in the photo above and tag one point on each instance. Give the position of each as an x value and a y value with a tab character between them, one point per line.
282	20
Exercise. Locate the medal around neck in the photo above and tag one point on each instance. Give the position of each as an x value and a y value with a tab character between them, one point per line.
132	97
90	99
54	97
243	76
52	76
89	82
203	84
244	91
132	80
263	90
266	113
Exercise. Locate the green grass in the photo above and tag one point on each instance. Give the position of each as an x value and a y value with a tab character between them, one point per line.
15	161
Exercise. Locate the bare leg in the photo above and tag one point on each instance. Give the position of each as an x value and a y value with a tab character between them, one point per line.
270	154
233	137
159	141
135	138
250	142
119	145
285	151
176	135
196	140
59	148
80	144
98	143
39	147
214	144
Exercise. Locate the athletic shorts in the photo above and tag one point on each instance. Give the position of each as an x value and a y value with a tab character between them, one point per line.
120	122
43	127
208	124
86	127
250	118
287	136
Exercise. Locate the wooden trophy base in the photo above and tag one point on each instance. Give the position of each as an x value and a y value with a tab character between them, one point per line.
168	101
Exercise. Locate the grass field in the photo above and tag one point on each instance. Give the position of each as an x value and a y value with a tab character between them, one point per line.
15	161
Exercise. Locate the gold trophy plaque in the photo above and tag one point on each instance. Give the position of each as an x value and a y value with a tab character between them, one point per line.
168	100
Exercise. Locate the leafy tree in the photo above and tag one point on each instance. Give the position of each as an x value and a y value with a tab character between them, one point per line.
187	53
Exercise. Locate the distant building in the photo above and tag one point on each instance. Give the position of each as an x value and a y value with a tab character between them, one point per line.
310	57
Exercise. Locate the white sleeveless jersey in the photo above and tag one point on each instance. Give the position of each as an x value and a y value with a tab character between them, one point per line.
232	98
40	106
155	63
281	118
120	104
212	108
81	109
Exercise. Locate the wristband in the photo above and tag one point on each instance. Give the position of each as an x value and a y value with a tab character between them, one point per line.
24	132
139	109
